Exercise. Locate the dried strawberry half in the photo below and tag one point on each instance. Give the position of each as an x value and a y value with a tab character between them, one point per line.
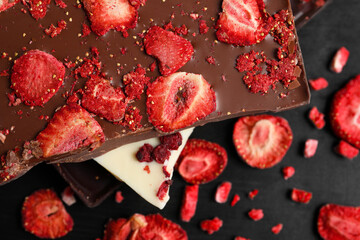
179	100
36	77
336	222
6	4
222	192
44	215
103	99
345	112
171	50
262	140
189	202
111	14
201	161
243	22
71	127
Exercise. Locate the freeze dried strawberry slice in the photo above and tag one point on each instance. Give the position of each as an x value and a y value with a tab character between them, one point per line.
44	215
222	192
310	147
71	127
345	112
36	77
339	60
103	99
201	161
346	150
37	8
117	229
336	222
263	140
189	202
6	4
110	14
317	118
243	22
301	196
211	225
179	100
171	50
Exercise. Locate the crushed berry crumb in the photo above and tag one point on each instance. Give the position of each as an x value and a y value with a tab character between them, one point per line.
118	197
256	214
235	199
210	60
318	84
211	225
60	4
135	82
253	193
53	31
317	118
277	228
288	172
147	169
85	30
203	28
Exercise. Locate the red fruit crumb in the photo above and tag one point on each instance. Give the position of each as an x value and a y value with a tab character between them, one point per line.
256	214
222	192
211	226
189	202
339	60
203	28
300	196
277	228
250	61
253	194
160	153
68	196
144	153
85	30
241	238
194	16
288	172
37	8
210	60
346	150
310	148
118	197
123	50
132	118
53	31
135	82
4	73
318	84
317	118
152	66
60	4
163	189
183	30
147	169
235	199
172	141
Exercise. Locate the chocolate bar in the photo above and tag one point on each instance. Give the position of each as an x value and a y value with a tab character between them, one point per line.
305	10
233	97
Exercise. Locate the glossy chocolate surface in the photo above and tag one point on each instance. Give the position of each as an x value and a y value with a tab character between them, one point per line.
305	10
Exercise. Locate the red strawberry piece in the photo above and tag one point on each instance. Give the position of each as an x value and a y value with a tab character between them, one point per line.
118	197
172	141
235	199
211	225
336	222
68	196
310	147
201	161
103	99
317	118
263	140
71	127
160	153
37	8
171	50
36	77
243	22
288	172
318	84
339	60
6	4
44	215
301	196
159	227
277	228
346	150
111	14
345	111
117	229
253	193
241	238
189	202
144	153
222	192
179	100
256	214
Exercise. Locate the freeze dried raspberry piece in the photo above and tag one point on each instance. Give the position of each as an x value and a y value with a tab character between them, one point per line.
201	161
288	172
171	50
71	128
36	77
135	82
235	199
203	28
345	112
68	196
310	147
189	202
317	118
256	214
262	140
318	83
53	31
37	8
250	61
179	100
117	229
336	222
172	141
339	60
243	23
222	192
253	193
211	225
144	153
346	150
277	228
6	4
301	196
103	99
44	215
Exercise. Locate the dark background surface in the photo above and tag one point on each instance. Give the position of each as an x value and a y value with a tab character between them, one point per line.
331	178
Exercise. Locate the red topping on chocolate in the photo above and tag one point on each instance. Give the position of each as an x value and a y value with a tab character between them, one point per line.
210	60
6	4
37	8
250	61
135	82
301	196
189	202
288	172
346	150
160	153
256	214
277	228
85	30
222	192
68	196
211	225
53	31
132	118
235	199
317	118
144	153
310	147
172	141
203	28
60	4
318	84
339	60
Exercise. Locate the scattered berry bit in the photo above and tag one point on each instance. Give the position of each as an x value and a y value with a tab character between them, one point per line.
36	87
53	31
317	118
211	225
6	4
300	196
253	194
262	140
288	172
179	100
250	61
172	141
201	161
163	189
256	214
222	192
144	153
183	30
68	196
160	153
44	215
241	238
346	150
310	147
135	82
277	228
189	202
85	30
235	199
132	118
118	197
171	50
319	83
147	169
339	60
60	4
117	229
210	60
37	8
203	28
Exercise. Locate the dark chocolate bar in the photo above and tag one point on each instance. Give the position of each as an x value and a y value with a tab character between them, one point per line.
305	10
